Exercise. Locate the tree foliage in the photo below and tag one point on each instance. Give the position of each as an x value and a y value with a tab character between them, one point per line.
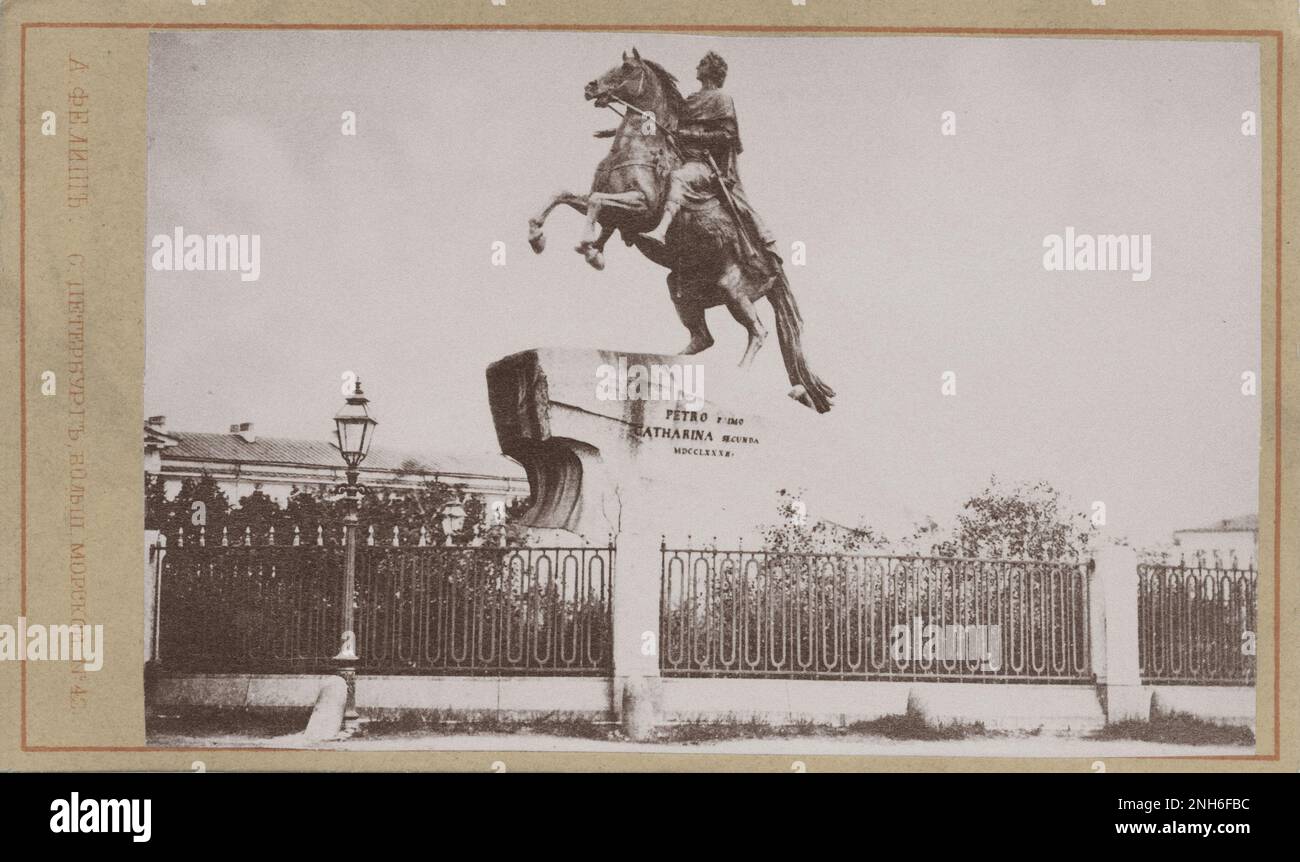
796	533
201	504
1025	520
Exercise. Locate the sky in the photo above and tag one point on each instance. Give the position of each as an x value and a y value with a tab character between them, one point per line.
924	251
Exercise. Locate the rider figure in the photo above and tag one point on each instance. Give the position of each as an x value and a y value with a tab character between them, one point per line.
708	126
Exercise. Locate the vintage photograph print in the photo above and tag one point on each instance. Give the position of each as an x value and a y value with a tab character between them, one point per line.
720	393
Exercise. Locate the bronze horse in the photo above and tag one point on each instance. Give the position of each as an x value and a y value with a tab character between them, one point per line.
705	250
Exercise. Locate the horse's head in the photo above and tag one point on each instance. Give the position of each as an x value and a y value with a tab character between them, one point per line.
629	81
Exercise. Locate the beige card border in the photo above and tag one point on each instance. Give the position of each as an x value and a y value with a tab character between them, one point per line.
1266	23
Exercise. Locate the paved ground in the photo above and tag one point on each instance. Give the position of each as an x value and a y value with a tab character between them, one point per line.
996	746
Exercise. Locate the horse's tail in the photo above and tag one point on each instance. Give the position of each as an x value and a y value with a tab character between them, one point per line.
809	389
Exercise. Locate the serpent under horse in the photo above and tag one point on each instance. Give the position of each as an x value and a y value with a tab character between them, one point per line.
704	252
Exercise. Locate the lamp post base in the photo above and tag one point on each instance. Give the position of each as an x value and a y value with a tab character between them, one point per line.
351	722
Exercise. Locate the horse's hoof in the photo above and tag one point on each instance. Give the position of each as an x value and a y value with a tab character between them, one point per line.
537	241
595	258
800	394
693	347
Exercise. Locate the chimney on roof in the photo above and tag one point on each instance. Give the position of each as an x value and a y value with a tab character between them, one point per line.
244	430
157	422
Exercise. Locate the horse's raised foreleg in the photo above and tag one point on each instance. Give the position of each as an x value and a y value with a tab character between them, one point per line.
592	242
594	235
536	238
631	201
594	251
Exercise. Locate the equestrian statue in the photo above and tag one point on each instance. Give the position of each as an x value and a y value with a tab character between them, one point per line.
670	186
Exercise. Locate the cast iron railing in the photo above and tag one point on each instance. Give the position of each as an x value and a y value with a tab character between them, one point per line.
1196	624
839	616
260	608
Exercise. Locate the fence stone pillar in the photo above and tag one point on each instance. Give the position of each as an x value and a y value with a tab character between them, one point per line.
606	459
637	691
1096	623
1113	594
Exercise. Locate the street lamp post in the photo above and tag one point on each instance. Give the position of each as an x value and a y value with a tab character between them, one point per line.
353	429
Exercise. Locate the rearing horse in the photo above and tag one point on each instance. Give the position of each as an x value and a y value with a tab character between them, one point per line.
703	254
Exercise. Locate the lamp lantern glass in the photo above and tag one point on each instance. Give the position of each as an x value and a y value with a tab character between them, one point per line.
354	428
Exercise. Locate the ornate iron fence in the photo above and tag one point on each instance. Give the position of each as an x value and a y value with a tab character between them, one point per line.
840	616
253	608
1196	624
262	608
484	610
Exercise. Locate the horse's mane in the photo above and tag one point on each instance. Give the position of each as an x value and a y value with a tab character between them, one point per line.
676	101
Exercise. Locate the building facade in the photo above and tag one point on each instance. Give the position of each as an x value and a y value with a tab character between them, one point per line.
242	462
1229	539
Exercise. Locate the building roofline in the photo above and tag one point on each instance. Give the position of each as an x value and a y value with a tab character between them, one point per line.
380	473
423	470
341	466
1218	530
